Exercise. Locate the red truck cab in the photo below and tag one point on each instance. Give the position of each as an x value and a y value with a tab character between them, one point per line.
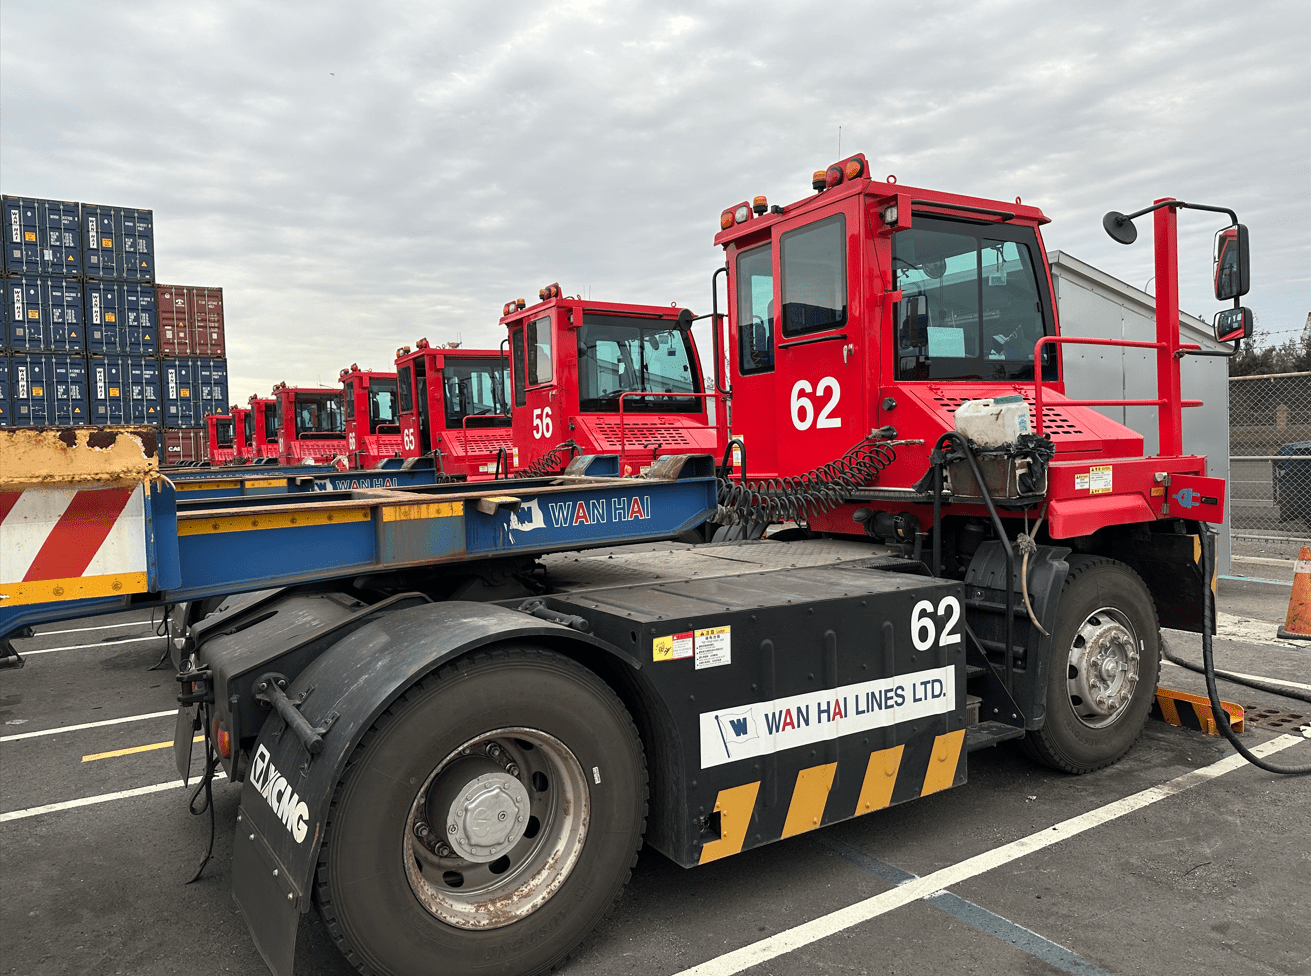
261	424
220	433
453	406
873	304
311	424
373	429
612	378
241	453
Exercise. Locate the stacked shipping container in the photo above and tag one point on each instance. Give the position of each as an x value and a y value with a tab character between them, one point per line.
88	337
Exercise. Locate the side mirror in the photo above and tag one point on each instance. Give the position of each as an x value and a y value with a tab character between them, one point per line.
1233	323
685	319
1231	266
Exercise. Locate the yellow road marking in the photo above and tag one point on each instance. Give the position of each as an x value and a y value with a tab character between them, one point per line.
134	749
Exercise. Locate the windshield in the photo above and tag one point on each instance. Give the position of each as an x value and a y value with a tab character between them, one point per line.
223	432
971	306
250	427
475	388
621	355
272	416
319	414
382	407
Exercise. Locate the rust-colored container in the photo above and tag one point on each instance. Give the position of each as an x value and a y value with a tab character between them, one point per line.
183	445
190	321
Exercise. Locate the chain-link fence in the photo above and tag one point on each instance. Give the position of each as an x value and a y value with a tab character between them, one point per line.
1269	482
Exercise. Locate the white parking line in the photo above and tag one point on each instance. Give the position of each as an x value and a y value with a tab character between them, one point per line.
87	647
1257	677
80	630
86	725
880	904
87	801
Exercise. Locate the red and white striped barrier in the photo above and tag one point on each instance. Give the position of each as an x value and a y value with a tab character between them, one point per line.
71	544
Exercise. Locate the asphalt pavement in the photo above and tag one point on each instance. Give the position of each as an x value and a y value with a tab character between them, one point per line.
1181	858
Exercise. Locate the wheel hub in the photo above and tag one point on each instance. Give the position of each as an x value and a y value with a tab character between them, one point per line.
497	828
485	816
1103	667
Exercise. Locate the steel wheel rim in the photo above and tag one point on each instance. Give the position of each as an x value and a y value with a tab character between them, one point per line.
1103	667
487	882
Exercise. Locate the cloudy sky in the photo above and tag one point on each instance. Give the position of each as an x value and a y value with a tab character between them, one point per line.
358	175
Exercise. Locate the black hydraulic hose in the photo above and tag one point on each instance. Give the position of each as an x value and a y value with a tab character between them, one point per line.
1268	686
1208	662
963	445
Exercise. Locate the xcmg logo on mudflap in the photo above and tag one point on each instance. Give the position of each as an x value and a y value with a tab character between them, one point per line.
277	792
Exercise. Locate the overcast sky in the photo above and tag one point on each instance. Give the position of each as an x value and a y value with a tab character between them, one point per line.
355	176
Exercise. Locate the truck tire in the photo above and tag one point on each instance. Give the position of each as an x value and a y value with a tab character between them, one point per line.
1106	659
486	822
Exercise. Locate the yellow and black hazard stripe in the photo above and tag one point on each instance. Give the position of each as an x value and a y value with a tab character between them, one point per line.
834	791
1193	711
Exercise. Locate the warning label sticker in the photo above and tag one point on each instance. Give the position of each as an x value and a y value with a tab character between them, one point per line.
714	647
1096	482
672	647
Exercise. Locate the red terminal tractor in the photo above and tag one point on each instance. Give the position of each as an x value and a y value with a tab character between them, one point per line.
896	371
605	378
310	424
453	407
261	424
221	437
373	430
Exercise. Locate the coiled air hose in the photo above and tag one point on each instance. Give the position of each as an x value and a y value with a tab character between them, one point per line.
798	498
1208	670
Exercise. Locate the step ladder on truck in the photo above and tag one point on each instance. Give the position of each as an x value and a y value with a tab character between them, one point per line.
454	731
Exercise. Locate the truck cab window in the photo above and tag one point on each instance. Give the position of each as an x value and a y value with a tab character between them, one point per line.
382	407
972	304
474	388
813	266
319	415
405	389
618	355
539	351
223	433
272	420
755	311
517	360
250	427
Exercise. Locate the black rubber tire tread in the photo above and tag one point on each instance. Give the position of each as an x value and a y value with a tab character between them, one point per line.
1096	581
448	686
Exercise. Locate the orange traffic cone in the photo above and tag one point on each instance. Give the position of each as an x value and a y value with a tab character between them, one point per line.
1298	623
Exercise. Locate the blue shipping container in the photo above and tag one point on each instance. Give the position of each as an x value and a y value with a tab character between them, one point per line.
124	390
118	243
120	318
48	389
183	402
4	391
214	385
42	236
43	314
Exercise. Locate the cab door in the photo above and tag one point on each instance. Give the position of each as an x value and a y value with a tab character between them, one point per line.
820	354
537	424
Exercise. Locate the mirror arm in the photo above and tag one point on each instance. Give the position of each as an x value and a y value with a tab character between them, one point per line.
1233	217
